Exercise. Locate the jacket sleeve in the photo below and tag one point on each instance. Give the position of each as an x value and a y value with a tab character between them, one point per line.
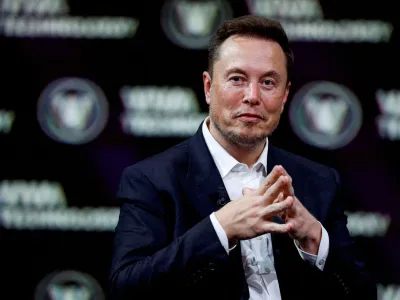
146	259
346	271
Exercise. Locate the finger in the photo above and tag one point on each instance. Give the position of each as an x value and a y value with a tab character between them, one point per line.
281	215
290	183
291	212
285	213
279	198
286	186
269	227
272	193
276	208
248	191
272	177
284	172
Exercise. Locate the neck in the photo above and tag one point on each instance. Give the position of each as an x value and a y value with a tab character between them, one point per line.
244	154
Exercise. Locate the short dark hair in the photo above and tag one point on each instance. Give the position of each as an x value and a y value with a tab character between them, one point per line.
251	26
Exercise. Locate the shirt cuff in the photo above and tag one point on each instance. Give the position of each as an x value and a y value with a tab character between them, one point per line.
318	260
221	233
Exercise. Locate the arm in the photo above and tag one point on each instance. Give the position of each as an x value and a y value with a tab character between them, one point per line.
318	259
343	266
344	275
146	258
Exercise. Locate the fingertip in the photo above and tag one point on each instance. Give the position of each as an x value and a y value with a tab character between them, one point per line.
289	226
289	200
248	191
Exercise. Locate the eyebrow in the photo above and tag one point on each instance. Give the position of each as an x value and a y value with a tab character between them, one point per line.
271	73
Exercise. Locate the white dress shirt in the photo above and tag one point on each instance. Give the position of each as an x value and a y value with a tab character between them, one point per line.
257	254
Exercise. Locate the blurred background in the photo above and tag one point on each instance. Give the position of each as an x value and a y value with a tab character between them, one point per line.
90	87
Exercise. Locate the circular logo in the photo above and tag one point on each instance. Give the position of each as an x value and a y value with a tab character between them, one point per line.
325	115
69	284
191	24
72	110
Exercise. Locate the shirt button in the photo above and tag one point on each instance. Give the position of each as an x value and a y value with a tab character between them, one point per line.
267	270
259	237
321	262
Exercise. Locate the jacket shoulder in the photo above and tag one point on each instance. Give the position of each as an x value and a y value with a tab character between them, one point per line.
165	162
305	165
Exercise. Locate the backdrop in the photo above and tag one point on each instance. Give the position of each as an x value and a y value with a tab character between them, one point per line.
90	87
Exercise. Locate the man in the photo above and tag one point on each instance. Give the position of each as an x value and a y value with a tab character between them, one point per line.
283	234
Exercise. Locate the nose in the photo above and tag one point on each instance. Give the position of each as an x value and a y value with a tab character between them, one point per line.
252	94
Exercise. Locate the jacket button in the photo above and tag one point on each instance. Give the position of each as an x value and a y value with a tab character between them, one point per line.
211	266
222	201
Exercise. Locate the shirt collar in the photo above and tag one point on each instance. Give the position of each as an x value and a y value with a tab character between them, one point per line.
223	160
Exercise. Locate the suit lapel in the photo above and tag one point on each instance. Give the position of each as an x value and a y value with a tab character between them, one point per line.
203	176
207	189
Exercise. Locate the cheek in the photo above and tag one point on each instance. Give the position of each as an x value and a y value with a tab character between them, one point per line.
230	97
273	107
273	102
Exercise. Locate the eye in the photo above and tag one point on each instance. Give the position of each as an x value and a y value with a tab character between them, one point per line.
268	82
236	79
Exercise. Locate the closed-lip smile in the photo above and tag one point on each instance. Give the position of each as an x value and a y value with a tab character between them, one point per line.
250	118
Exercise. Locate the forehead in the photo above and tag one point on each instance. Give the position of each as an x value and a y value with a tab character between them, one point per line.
251	53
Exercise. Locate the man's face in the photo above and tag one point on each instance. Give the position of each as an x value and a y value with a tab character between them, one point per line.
247	91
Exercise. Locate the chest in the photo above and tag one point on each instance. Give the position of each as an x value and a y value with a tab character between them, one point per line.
236	180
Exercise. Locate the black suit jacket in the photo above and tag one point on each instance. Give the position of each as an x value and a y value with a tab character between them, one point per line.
165	244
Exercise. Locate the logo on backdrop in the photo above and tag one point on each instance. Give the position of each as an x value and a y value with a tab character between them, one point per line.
388	121
160	111
72	110
325	115
7	119
71	285
303	20
190	24
42	205
52	19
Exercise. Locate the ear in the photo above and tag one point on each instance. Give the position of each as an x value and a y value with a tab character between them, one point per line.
285	96
207	86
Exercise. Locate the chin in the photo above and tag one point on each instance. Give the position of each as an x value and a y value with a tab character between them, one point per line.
251	133
253	129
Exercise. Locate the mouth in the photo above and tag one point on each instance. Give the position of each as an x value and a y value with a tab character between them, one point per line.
250	118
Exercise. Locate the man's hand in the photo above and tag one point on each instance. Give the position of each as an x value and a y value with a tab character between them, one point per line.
303	226
251	215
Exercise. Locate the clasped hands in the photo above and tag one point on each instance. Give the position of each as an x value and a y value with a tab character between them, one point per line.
252	215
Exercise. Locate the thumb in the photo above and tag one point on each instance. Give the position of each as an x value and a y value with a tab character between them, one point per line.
248	191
